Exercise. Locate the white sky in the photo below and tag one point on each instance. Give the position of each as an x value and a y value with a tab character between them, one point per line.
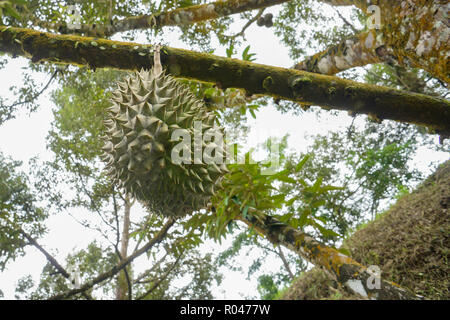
24	138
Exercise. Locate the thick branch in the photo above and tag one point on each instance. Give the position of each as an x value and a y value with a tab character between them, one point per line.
299	86
116	269
344	269
180	16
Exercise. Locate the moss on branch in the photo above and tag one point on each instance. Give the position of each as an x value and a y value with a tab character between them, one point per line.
328	92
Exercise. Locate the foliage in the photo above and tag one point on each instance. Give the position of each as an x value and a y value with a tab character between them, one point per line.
8	8
306	27
371	164
95	259
18	210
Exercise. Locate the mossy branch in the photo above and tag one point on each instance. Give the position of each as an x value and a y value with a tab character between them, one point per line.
345	270
307	88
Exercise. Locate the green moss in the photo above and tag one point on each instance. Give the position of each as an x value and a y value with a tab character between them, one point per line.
268	83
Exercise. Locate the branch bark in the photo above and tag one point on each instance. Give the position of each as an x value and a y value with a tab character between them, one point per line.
116	269
344	269
299	86
339	3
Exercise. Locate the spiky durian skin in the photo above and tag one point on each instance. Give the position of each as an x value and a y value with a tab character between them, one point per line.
145	111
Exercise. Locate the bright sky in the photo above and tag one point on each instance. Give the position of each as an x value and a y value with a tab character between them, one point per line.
24	138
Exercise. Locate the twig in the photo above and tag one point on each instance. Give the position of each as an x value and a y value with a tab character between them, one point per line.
285	262
29	100
157	283
248	24
345	20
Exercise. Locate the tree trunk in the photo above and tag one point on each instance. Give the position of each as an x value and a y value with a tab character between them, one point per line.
417	34
122	281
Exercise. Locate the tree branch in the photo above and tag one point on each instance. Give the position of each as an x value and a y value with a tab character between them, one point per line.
341	3
116	269
345	270
280	253
51	259
176	17
299	86
11	107
356	51
346	22
149	271
248	24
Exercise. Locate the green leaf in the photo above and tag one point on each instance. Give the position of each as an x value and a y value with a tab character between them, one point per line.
244	212
247	56
317	203
230	50
285	178
300	165
21	2
10	11
304	217
316	185
291	201
344	251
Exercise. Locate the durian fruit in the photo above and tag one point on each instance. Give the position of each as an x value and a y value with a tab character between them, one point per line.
145	111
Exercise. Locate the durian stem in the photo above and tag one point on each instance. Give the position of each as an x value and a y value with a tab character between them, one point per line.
157	66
